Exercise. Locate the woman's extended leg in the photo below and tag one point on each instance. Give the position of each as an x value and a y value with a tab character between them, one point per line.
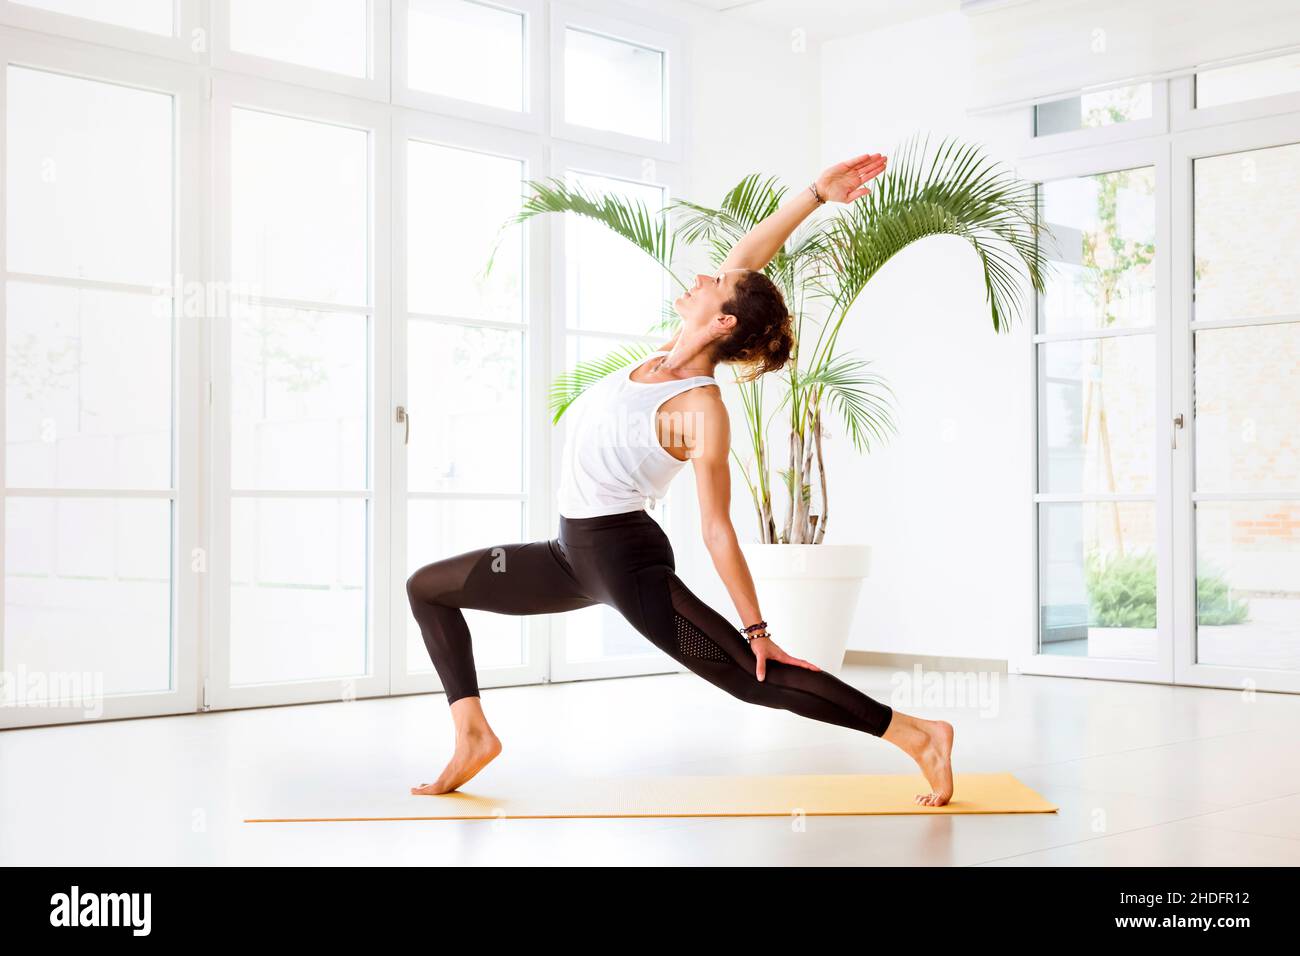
696	635
524	578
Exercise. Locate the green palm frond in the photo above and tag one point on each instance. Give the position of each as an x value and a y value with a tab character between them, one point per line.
821	269
567	386
651	232
864	400
745	205
956	191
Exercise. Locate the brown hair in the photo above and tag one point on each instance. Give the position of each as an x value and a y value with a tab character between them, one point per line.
763	337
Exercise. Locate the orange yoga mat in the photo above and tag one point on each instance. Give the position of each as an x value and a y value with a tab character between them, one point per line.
719	796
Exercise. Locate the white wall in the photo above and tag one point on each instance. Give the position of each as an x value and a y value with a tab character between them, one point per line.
755	97
946	504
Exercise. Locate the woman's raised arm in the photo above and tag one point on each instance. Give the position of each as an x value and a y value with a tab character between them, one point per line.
843	182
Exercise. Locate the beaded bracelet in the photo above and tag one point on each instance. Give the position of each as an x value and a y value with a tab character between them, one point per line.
748	632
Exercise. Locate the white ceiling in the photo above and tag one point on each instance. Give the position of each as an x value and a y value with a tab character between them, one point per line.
823	19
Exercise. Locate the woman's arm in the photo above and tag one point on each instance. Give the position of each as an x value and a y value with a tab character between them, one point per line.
713	482
843	182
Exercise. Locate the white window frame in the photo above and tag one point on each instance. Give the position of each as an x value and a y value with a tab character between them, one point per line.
1189	135
207	78
673	47
110	66
187	24
1184	115
229	92
463	134
532	118
1157	124
1245	134
1028	660
373	86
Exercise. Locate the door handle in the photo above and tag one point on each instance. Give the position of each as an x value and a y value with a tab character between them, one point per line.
404	416
1178	424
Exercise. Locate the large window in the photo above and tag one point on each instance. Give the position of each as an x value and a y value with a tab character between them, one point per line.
1246	387
613	295
467	51
1124	104
257	369
1167	494
1097	373
96	482
1275	76
299	397
466	371
149	16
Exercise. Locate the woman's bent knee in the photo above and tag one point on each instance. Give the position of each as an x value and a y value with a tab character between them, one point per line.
427	585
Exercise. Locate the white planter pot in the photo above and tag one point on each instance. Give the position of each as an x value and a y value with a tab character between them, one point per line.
808	594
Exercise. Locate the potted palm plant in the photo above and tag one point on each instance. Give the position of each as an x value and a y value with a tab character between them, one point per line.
821	270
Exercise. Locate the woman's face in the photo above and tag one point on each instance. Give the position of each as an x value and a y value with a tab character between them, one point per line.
702	303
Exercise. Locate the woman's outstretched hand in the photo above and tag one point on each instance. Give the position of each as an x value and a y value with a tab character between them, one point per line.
846	181
765	650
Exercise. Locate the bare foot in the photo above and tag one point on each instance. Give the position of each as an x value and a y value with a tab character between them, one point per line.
474	751
929	743
935	761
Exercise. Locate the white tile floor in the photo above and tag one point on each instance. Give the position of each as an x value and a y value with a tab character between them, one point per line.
1143	775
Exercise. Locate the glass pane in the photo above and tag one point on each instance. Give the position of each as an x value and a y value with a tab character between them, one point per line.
1248	408
452	232
612	286
89	179
299	395
1248	81
1097	579
152	16
88	384
297	589
1247	214
1097	421
467	50
465	387
441	529
88	596
299	217
1091	110
613	85
1104	228
1248	584
327	35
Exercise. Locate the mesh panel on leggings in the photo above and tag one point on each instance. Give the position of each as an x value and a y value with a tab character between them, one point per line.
693	642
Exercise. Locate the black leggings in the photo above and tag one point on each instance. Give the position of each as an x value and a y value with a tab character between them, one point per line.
625	561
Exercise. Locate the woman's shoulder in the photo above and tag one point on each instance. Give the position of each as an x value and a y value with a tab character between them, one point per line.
706	397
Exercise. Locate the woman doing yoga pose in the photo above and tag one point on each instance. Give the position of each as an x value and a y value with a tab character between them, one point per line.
629	435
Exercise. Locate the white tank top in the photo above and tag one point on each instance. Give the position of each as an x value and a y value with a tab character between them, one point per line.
612	460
